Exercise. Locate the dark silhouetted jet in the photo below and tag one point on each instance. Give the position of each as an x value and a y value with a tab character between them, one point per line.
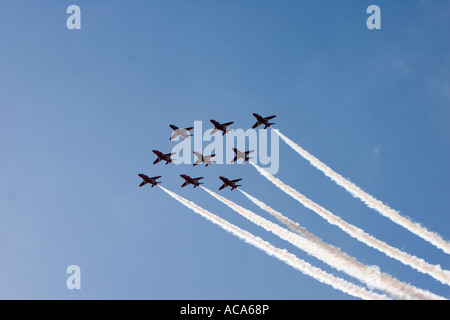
189	180
261	120
147	179
180	132
241	155
201	158
220	127
162	156
229	183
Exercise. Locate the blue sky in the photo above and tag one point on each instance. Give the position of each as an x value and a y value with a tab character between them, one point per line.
81	110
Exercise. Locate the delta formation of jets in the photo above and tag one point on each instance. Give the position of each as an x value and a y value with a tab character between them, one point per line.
184	133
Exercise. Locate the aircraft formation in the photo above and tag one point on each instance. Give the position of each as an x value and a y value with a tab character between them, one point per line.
184	133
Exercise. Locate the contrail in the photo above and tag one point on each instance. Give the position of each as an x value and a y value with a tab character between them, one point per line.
294	226
369	200
283	255
417	263
364	274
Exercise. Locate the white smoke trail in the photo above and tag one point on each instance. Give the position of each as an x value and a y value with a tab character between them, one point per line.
417	263
363	273
369	200
283	255
294	226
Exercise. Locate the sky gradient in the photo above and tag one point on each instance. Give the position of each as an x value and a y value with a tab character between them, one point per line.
81	111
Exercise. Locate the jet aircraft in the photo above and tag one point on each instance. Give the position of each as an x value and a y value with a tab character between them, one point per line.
162	156
180	132
229	183
220	127
201	158
146	179
241	155
261	120
189	180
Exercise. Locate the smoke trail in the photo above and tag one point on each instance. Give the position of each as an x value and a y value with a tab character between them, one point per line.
283	255
294	226
419	264
369	200
364	274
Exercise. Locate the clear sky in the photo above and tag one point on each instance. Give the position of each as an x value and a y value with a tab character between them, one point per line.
81	111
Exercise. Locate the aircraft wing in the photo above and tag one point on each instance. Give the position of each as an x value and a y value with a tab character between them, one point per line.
214	131
156	161
234	181
143	183
155	178
227	124
255	125
196	179
198	154
184	184
223	186
268	118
